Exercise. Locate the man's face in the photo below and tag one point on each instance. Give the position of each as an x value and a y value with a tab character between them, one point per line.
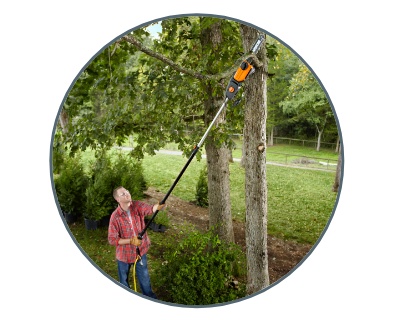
124	196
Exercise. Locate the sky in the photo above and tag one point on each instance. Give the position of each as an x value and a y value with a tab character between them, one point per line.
154	29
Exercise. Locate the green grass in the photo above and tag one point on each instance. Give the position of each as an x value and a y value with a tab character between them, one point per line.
297	150
299	201
95	244
299	205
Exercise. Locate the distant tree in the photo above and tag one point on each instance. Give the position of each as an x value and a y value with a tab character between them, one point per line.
307	101
338	175
283	67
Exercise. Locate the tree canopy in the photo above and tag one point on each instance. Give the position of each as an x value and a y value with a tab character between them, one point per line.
125	91
159	94
306	101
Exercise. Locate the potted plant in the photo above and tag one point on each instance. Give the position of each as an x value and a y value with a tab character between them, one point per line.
70	185
98	204
99	199
128	172
161	221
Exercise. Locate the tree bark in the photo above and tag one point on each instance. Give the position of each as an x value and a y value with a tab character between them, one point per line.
64	121
230	156
319	140
337	144
272	137
220	214
320	132
336	185
254	140
243	158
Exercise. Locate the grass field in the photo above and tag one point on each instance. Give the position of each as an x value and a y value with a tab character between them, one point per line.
299	201
96	246
299	206
297	150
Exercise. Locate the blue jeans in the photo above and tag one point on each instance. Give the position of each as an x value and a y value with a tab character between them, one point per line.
142	275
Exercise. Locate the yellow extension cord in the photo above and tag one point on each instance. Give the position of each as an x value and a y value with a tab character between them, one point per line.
134	267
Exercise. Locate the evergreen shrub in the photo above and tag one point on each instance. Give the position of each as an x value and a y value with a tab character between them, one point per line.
100	201
199	267
70	186
58	154
97	203
108	175
129	174
162	218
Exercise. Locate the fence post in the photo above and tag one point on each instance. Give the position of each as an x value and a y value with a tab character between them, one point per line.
290	142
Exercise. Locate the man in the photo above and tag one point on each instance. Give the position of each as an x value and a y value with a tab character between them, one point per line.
126	222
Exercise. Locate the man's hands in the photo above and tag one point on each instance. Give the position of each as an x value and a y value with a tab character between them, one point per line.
135	241
159	207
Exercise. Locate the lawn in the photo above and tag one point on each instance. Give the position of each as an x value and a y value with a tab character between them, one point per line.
296	153
299	201
299	205
95	244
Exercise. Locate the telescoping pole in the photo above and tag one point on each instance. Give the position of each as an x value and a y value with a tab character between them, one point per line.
234	85
194	152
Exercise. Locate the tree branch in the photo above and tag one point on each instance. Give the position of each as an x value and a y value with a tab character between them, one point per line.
177	67
145	125
192	118
161	57
230	71
116	47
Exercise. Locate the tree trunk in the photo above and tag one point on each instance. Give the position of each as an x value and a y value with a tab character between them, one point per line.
218	176
131	141
243	158
336	185
254	140
217	159
272	137
337	144
64	120
320	131
319	140
230	155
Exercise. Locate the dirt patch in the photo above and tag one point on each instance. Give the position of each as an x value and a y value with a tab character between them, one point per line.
283	255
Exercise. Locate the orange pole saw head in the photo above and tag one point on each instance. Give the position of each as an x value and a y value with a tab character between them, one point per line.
243	72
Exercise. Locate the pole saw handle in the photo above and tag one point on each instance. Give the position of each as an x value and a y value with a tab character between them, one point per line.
162	202
140	235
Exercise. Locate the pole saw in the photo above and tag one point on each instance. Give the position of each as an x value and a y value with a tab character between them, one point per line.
234	85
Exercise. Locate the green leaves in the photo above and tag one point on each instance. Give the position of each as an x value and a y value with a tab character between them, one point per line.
71	185
198	267
131	92
105	177
272	50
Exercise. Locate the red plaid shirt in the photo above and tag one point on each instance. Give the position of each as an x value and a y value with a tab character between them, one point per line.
121	227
